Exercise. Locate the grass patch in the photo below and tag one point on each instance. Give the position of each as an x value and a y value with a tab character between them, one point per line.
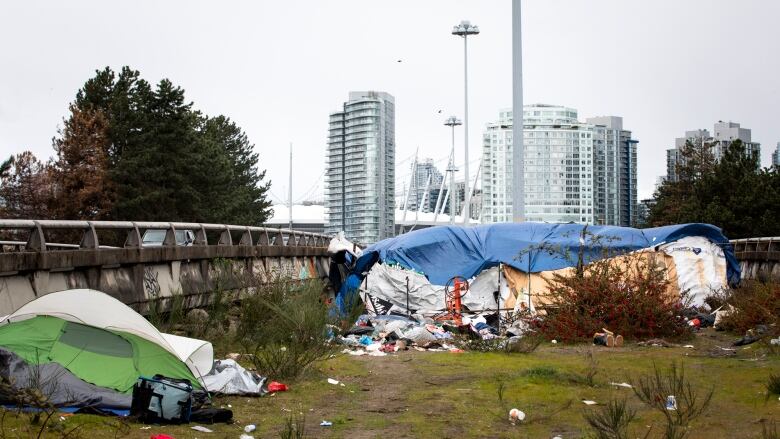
421	394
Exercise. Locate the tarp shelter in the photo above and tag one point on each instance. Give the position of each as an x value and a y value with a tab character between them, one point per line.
440	253
100	340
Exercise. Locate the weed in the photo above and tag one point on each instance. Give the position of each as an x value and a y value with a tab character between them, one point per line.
591	368
769	430
655	388
611	421
773	385
285	327
542	372
754	303
294	427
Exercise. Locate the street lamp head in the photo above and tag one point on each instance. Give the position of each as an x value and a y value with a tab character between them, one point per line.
452	121
465	28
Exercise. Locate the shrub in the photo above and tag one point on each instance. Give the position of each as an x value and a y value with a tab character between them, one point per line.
773	385
691	401
611	421
754	303
294	427
630	298
284	326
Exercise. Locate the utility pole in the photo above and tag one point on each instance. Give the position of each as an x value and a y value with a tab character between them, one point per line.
290	190
464	29
518	153
452	122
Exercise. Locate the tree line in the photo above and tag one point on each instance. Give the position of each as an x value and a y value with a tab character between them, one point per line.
129	150
732	193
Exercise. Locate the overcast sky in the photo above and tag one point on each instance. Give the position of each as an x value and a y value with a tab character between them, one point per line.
278	68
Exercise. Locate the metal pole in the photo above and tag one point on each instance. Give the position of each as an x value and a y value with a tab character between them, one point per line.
408	312
343	172
452	179
518	153
290	191
466	195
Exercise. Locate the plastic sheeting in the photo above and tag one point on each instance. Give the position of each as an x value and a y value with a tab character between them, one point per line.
446	251
59	385
700	266
229	378
389	283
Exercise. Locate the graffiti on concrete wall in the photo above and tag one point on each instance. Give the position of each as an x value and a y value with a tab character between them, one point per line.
151	284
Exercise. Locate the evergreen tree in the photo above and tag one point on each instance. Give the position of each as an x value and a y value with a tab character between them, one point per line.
167	161
730	193
242	195
26	188
83	190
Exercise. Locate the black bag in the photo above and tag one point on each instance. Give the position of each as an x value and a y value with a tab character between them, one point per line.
211	416
162	400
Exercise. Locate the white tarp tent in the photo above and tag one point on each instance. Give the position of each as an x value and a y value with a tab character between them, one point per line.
695	265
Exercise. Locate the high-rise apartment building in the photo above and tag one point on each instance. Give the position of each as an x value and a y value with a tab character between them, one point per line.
574	171
614	172
724	133
776	156
426	181
558	166
360	168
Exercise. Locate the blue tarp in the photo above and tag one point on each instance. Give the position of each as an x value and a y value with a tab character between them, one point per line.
446	251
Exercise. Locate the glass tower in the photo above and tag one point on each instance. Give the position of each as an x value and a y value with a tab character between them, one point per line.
574	172
360	168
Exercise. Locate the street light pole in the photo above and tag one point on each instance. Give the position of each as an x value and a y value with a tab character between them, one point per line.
452	122
518	151
464	29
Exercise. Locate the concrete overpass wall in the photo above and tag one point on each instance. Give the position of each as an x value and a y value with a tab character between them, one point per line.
759	258
136	275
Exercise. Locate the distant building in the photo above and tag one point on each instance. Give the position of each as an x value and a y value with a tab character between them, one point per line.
614	172
776	156
475	202
574	171
643	212
724	134
360	168
426	182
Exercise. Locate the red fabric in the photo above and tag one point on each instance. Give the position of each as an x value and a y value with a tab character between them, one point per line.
161	436
273	386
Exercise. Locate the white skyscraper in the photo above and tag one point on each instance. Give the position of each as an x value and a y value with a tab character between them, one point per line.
574	171
558	167
776	156
360	168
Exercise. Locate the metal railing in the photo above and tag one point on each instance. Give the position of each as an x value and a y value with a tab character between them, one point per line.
247	235
757	248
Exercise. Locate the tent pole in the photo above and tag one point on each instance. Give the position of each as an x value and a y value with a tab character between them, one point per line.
408	312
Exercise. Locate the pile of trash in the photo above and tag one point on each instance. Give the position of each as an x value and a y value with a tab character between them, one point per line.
379	335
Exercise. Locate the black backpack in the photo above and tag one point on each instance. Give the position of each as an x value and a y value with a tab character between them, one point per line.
162	400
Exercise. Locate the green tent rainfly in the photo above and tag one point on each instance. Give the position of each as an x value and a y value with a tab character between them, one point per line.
101	341
102	357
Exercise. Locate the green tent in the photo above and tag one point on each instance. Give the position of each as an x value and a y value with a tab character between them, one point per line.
103	357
